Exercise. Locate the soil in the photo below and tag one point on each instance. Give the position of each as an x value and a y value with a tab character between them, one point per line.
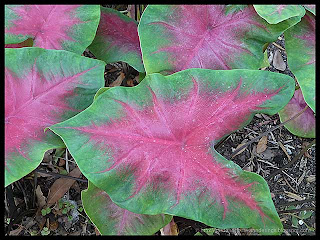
294	187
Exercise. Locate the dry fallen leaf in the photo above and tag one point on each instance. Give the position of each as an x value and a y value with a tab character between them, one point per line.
16	231
118	81
262	144
311	178
40	198
285	150
61	186
170	229
294	196
278	62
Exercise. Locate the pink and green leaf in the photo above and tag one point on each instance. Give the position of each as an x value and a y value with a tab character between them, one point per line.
300	48
274	14
305	124
42	87
152	149
110	219
178	37
311	8
117	39
61	27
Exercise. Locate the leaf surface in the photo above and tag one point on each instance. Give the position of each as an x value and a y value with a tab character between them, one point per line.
274	14
305	124
113	220
42	87
61	27
117	39
178	37
311	8
152	149
300	48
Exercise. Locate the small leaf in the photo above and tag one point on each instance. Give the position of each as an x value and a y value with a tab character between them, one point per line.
305	214
278	62
40	198
305	124
274	14
117	39
262	144
113	220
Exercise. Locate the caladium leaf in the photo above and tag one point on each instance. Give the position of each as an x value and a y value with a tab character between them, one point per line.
274	14
62	27
150	147
304	125
113	220
300	48
117	39
311	8
175	38
42	87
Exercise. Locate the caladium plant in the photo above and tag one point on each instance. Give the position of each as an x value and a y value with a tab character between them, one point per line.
120	148
152	149
42	87
62	27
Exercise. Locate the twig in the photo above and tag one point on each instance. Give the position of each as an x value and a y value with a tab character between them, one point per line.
267	132
295	202
291	162
61	175
278	46
296	210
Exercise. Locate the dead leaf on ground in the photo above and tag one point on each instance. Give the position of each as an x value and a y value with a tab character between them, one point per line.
16	231
262	144
294	196
118	81
240	145
40	198
278	62
170	229
61	186
306	153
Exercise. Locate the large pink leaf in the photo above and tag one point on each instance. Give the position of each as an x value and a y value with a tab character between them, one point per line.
67	27
42	87
152	150
177	37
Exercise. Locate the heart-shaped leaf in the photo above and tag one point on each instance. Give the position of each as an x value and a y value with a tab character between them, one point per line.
117	39
42	87
113	220
311	8
178	37
62	27
300	48
274	14
150	147
304	125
